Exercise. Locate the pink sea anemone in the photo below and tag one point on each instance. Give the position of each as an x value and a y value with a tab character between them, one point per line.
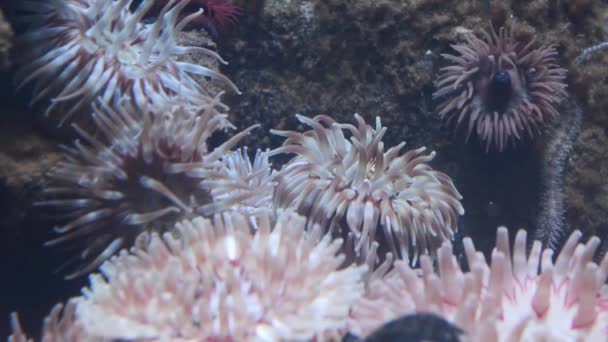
500	88
136	176
230	279
77	51
216	13
341	175
516	298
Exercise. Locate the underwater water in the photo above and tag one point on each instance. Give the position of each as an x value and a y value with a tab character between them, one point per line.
93	154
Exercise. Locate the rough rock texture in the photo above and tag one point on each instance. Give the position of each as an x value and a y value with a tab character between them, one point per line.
586	191
24	158
28	283
338	58
6	42
586	185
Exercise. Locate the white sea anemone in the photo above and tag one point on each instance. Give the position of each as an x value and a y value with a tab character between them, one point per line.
248	185
147	176
220	280
77	51
333	177
509	300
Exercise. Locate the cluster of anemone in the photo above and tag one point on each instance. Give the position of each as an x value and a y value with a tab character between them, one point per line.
270	278
502	89
75	52
519	296
145	175
142	161
343	178
185	241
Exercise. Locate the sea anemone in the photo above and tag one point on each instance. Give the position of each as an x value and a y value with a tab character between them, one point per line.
333	177
509	300
500	88
249	183
221	281
147	176
77	51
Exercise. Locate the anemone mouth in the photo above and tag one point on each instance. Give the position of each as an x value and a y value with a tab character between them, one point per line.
499	89
500	92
